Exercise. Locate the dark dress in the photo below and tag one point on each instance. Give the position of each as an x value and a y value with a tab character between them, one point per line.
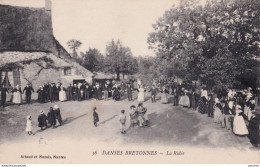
210	107
95	117
3	96
42	120
51	117
41	98
116	95
253	129
203	105
58	115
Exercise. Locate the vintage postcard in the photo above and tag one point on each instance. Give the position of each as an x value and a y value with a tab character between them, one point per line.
129	81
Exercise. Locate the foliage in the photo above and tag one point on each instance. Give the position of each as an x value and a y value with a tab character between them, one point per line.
119	59
74	44
215	43
93	60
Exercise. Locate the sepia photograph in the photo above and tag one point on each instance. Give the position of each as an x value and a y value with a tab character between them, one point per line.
130	82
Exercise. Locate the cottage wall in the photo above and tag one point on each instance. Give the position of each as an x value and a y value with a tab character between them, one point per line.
31	73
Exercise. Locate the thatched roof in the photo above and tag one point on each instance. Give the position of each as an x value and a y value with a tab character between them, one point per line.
25	29
19	58
30	30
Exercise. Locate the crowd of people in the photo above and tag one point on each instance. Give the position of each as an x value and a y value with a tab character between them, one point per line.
231	109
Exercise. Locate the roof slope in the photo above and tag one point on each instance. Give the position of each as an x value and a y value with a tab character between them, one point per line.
17	58
25	29
30	30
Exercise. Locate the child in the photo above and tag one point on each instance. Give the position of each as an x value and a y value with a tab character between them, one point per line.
42	120
95	116
122	120
29	125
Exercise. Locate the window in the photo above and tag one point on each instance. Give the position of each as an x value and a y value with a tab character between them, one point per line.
67	71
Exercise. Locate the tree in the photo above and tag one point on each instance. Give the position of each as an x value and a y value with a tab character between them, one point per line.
93	60
119	59
215	43
74	44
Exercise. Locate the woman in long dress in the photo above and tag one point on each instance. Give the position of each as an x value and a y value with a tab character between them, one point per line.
217	111
203	102
164	96
141	95
185	100
17	95
239	125
62	94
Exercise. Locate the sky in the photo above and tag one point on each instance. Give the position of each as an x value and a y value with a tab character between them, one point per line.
96	22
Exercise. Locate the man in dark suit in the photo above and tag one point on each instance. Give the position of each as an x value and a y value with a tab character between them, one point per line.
129	90
153	93
70	92
53	90
28	93
4	90
229	112
175	96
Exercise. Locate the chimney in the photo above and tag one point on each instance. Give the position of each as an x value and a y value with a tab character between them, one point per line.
48	5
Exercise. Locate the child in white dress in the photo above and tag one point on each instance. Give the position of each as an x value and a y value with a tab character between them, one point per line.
29	125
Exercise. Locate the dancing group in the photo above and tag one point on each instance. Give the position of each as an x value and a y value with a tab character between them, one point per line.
52	119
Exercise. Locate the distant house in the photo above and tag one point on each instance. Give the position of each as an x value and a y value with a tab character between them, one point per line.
29	52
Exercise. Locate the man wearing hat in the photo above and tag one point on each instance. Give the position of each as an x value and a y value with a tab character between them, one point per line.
28	93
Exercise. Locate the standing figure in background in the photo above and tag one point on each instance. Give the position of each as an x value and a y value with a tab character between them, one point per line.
69	92
58	88
129	90
116	94
141	95
87	92
28	93
203	102
106	89
75	92
185	100
62	94
164	98
82	91
175	96
153	93
4	90
217	111
239	125
95	117
40	92
193	100
211	105
17	99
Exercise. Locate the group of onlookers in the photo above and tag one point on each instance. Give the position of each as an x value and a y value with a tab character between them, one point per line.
235	111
